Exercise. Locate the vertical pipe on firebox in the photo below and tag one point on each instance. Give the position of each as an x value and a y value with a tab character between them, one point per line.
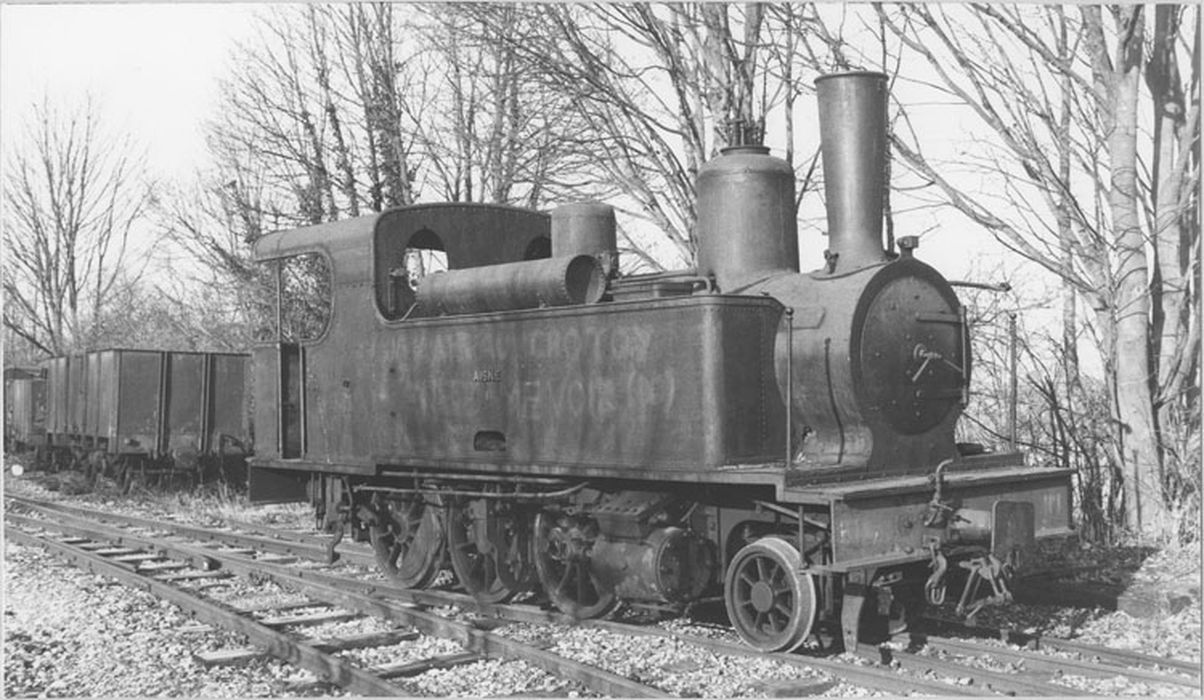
1014	382
279	301
789	386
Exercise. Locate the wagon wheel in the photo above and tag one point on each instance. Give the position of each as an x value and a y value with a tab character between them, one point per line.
562	560
108	468
99	466
489	542
408	539
126	472
770	604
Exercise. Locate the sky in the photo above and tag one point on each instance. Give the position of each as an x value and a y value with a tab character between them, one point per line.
153	69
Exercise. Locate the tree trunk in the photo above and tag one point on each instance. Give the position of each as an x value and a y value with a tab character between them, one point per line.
1144	506
1170	321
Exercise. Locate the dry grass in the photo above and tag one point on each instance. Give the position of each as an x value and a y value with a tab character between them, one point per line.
217	503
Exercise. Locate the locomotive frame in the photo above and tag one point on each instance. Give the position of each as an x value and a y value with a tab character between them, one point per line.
783	441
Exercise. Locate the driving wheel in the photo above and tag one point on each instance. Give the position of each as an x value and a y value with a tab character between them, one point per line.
407	538
562	560
771	605
490	546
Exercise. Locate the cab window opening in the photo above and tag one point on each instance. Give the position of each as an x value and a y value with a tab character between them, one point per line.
424	254
300	308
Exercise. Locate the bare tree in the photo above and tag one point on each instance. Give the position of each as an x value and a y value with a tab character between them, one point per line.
1174	184
73	195
275	117
372	28
656	89
340	110
1061	98
486	127
213	225
1051	424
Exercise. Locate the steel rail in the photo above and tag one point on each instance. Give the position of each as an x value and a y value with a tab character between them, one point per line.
433	598
332	592
1054	665
313	545
1106	655
72	525
278	644
313	551
1000	682
875	678
1118	657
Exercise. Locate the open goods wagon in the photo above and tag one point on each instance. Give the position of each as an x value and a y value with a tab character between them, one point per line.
125	411
24	409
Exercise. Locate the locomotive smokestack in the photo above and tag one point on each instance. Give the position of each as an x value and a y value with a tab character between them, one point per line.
852	129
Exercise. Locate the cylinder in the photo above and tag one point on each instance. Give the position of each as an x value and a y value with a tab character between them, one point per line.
530	284
852	128
586	228
671	565
746	224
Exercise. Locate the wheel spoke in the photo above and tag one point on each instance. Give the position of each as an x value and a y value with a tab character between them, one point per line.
561	545
564	579
581	583
408	540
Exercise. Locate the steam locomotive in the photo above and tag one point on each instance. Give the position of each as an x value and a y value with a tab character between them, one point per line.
783	440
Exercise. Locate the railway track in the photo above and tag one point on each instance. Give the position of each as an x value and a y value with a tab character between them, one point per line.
87	536
928	664
1107	656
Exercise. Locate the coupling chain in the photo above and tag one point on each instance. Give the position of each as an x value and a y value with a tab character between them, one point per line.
986	568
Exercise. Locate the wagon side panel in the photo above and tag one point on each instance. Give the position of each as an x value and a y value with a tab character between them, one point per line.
138	401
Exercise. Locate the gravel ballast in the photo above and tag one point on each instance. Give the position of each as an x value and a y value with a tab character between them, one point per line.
71	633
